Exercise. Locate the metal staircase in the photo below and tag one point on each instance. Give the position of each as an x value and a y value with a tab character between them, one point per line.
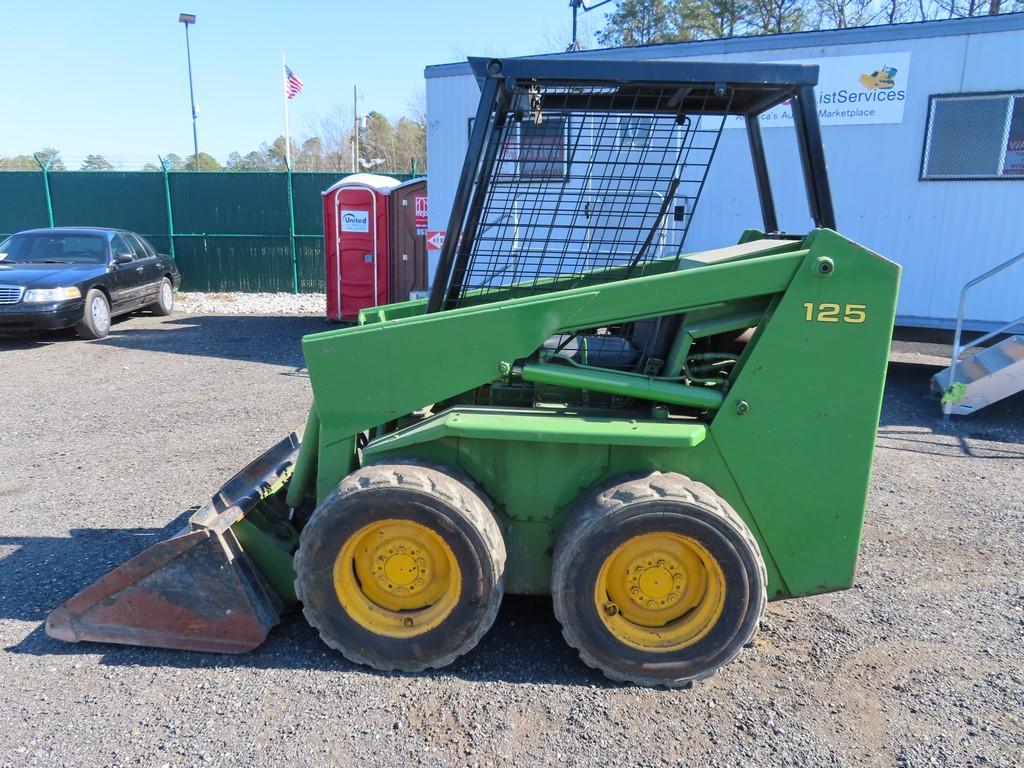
987	376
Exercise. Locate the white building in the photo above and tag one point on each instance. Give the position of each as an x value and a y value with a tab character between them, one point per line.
924	131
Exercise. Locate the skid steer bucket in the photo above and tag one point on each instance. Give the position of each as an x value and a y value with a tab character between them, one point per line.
198	590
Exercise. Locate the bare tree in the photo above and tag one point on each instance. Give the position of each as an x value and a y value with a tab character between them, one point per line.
953	9
843	14
18	163
775	17
686	20
637	22
724	18
896	11
96	163
335	133
416	108
556	37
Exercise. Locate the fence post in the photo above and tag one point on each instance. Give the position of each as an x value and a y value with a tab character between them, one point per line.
291	231
46	186
167	200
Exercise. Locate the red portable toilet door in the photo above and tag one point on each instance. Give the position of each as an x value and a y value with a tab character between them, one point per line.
362	250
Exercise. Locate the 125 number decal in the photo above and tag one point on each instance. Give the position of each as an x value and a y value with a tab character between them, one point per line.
835	313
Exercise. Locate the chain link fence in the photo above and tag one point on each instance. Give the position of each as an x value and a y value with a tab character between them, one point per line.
239	231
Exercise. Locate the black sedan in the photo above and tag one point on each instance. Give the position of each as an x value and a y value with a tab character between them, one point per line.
81	277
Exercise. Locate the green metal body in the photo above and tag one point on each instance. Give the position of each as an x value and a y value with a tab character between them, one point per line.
567	344
788	441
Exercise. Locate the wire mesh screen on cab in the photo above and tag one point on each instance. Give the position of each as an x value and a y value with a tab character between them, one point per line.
575	181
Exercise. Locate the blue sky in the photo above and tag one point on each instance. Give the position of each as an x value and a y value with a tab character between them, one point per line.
109	76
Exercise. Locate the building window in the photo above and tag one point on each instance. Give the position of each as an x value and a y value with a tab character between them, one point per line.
533	151
542	149
635	132
974	136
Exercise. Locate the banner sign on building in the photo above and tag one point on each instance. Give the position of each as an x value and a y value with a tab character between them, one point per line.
421	214
851	90
435	239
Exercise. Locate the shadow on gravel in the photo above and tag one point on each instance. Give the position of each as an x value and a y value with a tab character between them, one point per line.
270	339
525	644
39	339
40	572
35	340
912	419
274	340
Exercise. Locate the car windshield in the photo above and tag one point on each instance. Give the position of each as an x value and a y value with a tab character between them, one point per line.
53	248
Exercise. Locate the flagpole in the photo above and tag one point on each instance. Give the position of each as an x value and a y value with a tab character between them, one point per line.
287	132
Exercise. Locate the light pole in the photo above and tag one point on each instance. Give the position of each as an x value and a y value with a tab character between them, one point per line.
586	5
186	19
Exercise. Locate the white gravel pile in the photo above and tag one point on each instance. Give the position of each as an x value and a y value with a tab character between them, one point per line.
251	303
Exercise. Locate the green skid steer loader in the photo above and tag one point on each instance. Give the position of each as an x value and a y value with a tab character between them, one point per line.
661	439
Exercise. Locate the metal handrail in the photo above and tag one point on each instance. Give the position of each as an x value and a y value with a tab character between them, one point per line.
958	348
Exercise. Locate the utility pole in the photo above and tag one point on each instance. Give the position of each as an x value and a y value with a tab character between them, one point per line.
586	5
575	44
355	130
187	19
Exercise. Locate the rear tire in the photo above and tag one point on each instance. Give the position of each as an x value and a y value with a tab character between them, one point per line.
401	567
95	316
657	581
165	299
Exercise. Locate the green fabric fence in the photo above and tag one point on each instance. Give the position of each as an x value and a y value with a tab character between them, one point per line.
228	231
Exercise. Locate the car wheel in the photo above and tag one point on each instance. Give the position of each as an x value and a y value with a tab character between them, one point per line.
96	317
165	299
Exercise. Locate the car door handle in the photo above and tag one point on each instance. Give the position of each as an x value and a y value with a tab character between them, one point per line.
138	269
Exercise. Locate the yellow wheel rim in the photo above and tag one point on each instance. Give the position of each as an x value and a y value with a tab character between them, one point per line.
660	592
397	578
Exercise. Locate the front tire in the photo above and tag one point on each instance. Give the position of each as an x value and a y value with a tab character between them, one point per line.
95	317
401	567
165	299
657	581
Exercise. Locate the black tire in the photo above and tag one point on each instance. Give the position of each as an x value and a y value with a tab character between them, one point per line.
426	496
656	503
95	316
164	304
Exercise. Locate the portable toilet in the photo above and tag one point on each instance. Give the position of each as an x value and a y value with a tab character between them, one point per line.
356	243
407	205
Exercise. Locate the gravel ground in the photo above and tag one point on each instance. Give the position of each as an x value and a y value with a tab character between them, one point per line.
104	443
252	303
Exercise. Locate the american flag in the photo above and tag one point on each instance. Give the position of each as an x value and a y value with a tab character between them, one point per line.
292	84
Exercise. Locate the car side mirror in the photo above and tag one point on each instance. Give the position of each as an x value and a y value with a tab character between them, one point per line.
121	258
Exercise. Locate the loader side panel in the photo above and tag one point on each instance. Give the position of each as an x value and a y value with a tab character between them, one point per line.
368	375
790	448
797	429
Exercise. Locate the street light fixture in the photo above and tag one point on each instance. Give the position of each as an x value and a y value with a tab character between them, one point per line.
586	5
187	19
